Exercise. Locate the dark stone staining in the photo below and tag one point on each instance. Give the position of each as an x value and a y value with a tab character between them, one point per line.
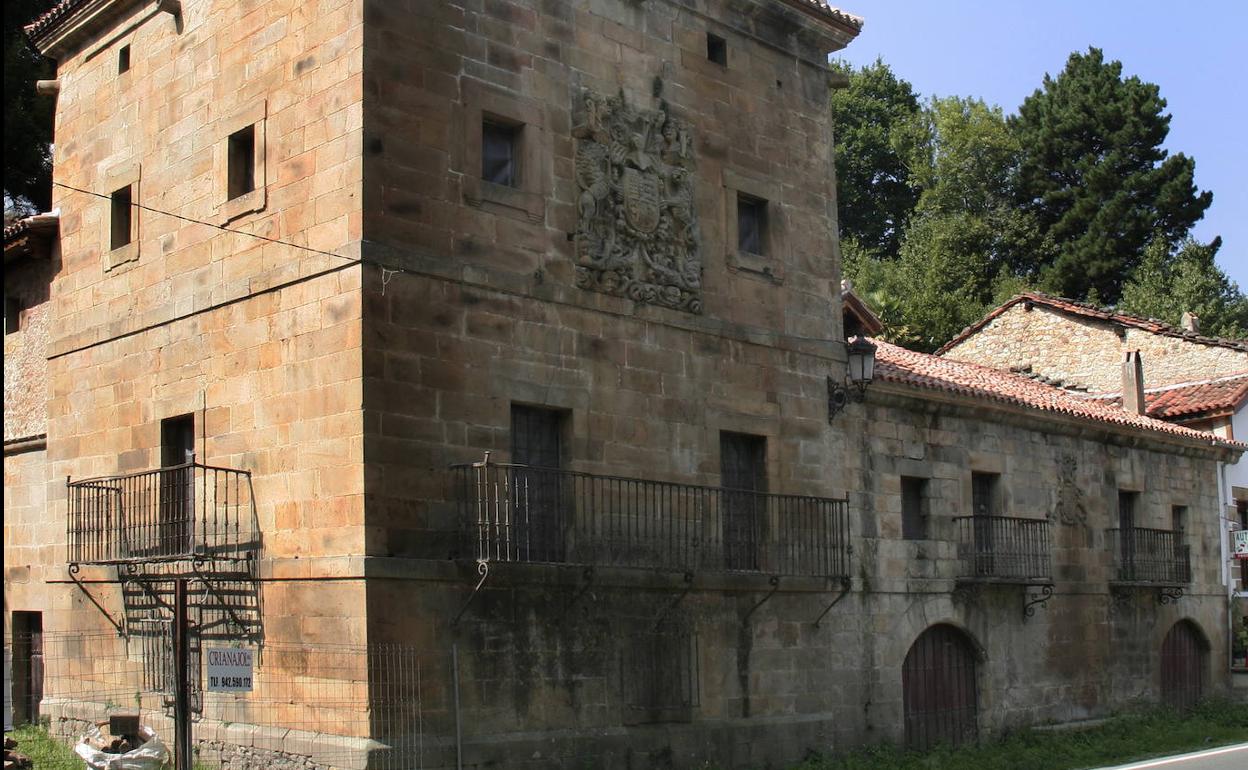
305	64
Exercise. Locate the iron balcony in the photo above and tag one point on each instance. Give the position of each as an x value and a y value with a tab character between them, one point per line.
1004	549
182	512
518	513
1150	556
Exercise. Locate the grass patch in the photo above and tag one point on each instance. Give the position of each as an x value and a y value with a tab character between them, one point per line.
1125	738
47	752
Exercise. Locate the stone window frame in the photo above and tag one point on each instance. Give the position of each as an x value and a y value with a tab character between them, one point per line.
229	209
527	200
126	175
770	265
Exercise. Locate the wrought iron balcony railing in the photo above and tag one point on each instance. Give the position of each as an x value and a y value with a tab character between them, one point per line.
1004	548
517	513
189	511
1153	556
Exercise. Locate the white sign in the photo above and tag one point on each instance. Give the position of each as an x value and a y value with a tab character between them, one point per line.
229	669
1239	538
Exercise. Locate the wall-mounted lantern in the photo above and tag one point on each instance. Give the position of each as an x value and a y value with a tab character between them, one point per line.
861	370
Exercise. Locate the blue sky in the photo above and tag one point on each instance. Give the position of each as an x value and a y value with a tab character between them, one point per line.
999	50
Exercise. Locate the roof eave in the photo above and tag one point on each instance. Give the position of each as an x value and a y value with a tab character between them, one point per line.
1220	447
78	23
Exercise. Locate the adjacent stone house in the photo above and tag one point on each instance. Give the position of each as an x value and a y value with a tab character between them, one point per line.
1187	378
512	333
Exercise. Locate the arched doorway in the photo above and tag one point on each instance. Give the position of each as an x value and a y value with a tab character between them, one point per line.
1184	661
938	681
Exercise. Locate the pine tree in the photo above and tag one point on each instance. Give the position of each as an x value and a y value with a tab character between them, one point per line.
1096	177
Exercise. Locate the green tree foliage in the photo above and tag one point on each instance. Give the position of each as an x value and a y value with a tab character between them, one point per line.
874	191
1168	283
958	252
1096	177
27	116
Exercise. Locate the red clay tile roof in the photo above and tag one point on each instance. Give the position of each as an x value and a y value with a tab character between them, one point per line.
1206	398
824	9
30	235
1218	396
51	17
1085	310
922	370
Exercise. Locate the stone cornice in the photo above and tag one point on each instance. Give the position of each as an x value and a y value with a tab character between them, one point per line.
71	22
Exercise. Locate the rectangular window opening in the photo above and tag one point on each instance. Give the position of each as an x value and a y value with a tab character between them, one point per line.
1178	518
751	224
241	162
1126	509
743	476
12	315
913	508
123	60
122	217
717	49
542	508
984	494
500	152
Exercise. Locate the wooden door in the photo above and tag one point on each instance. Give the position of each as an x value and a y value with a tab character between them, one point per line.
939	689
1184	660
539	513
27	662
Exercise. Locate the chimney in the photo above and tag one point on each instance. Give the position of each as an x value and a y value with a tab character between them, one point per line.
1132	382
1191	322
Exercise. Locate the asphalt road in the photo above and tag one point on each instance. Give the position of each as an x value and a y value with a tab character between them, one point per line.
1226	758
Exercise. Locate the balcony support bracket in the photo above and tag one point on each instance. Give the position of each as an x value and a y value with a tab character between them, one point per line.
774	580
1169	594
587	582
1036	595
483	569
74	569
846	584
675	602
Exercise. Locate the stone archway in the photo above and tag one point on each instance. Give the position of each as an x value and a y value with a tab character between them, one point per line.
939	689
1184	665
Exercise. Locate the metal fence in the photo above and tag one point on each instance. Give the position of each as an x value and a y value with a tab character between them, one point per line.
179	512
1004	548
517	513
1150	556
313	705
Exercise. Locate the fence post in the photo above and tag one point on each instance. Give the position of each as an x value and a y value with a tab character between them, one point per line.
182	688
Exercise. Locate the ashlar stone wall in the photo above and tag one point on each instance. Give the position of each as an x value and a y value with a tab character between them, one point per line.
1088	352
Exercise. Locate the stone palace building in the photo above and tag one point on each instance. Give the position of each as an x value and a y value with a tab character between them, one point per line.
511	332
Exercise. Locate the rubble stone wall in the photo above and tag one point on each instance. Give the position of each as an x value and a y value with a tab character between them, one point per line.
1088	353
25	350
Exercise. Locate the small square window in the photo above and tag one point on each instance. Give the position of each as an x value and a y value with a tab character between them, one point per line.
121	217
12	315
123	59
913	508
242	162
717	49
751	224
1178	517
500	144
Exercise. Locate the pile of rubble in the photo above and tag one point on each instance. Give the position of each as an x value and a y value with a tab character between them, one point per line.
13	760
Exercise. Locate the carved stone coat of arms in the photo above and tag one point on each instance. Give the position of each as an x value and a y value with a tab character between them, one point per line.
636	230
